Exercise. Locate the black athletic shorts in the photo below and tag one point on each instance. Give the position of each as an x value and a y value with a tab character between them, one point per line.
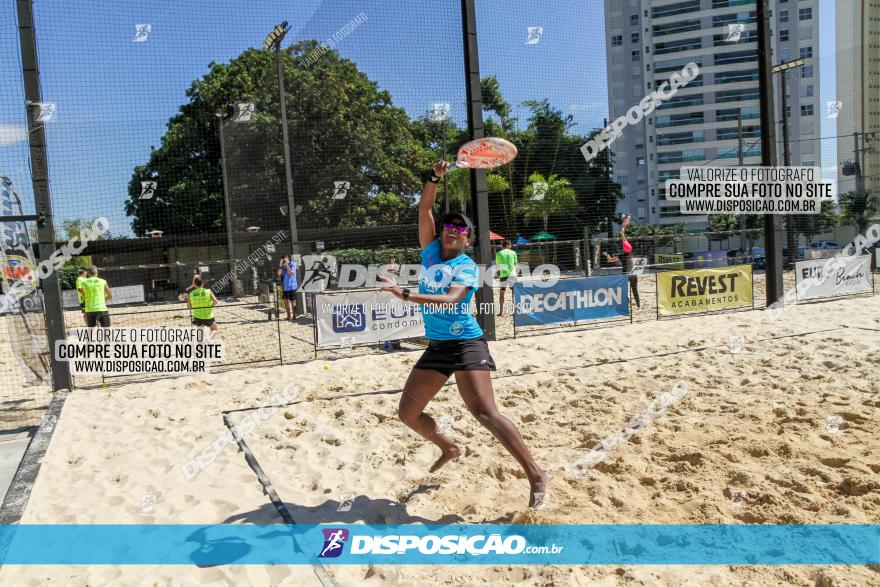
95	318
289	295
448	356
203	321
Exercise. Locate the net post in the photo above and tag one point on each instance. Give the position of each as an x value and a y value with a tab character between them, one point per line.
479	186
53	310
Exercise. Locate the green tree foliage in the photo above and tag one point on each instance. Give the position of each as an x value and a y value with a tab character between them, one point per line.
342	128
858	208
546	196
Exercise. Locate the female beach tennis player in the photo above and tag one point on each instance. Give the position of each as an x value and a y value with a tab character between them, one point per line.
456	343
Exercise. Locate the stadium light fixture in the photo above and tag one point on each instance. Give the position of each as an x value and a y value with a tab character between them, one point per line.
787	65
273	39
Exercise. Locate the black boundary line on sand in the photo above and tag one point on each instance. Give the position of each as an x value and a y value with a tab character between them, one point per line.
566	368
324	577
19	491
269	490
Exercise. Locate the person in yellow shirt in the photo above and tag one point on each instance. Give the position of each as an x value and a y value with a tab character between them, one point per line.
96	293
506	260
81	277
201	302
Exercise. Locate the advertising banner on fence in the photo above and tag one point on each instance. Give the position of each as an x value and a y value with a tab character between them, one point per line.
359	317
571	300
125	294
703	259
669	261
851	275
704	290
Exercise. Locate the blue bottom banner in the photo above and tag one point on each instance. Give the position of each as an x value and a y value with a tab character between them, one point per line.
483	544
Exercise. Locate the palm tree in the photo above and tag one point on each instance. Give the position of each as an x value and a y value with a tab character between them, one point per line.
558	196
459	184
858	208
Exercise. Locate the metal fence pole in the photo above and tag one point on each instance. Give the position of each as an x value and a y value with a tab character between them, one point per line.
53	311
772	222
479	187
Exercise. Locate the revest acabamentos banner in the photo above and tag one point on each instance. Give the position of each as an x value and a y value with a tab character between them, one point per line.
360	317
820	278
704	290
571	300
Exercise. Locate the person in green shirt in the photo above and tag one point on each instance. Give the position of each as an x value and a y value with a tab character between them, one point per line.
506	260
96	294
201	302
79	296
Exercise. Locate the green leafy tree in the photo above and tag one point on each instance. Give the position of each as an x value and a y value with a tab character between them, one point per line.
858	208
546	196
342	128
458	182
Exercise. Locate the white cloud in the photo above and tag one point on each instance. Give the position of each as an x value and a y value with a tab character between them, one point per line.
11	133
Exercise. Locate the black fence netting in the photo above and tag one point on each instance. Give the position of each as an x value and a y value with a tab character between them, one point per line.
215	138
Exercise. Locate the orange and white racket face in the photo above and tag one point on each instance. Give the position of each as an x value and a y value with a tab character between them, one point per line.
486	153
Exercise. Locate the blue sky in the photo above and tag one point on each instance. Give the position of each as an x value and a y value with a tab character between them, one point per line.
114	96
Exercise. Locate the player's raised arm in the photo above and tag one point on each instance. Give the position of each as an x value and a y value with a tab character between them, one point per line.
426	203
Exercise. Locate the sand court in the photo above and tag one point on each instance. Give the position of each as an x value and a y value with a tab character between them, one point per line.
783	427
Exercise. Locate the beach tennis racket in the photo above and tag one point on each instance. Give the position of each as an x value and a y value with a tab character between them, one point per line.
484	153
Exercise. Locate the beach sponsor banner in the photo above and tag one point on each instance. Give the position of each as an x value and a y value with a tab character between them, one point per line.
703	259
640	264
668	261
27	336
704	290
850	276
126	294
571	300
362	317
435	544
810	254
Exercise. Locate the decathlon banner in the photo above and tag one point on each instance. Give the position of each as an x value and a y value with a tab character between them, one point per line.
704	290
359	317
822	278
434	544
571	300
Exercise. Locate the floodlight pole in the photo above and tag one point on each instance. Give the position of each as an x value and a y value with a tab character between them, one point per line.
782	70
772	222
274	41
227	203
288	174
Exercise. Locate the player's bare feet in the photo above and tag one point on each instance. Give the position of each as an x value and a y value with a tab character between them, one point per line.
447	455
539	496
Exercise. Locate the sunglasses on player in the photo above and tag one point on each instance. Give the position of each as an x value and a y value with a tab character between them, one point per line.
459	227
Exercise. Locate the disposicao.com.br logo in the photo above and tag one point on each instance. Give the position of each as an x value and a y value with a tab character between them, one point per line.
429	544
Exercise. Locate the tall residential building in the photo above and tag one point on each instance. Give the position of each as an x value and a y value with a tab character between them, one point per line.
649	40
858	87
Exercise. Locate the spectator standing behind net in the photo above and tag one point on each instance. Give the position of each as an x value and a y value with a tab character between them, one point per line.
201	303
197	274
81	277
626	263
393	268
289	285
96	294
506	260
